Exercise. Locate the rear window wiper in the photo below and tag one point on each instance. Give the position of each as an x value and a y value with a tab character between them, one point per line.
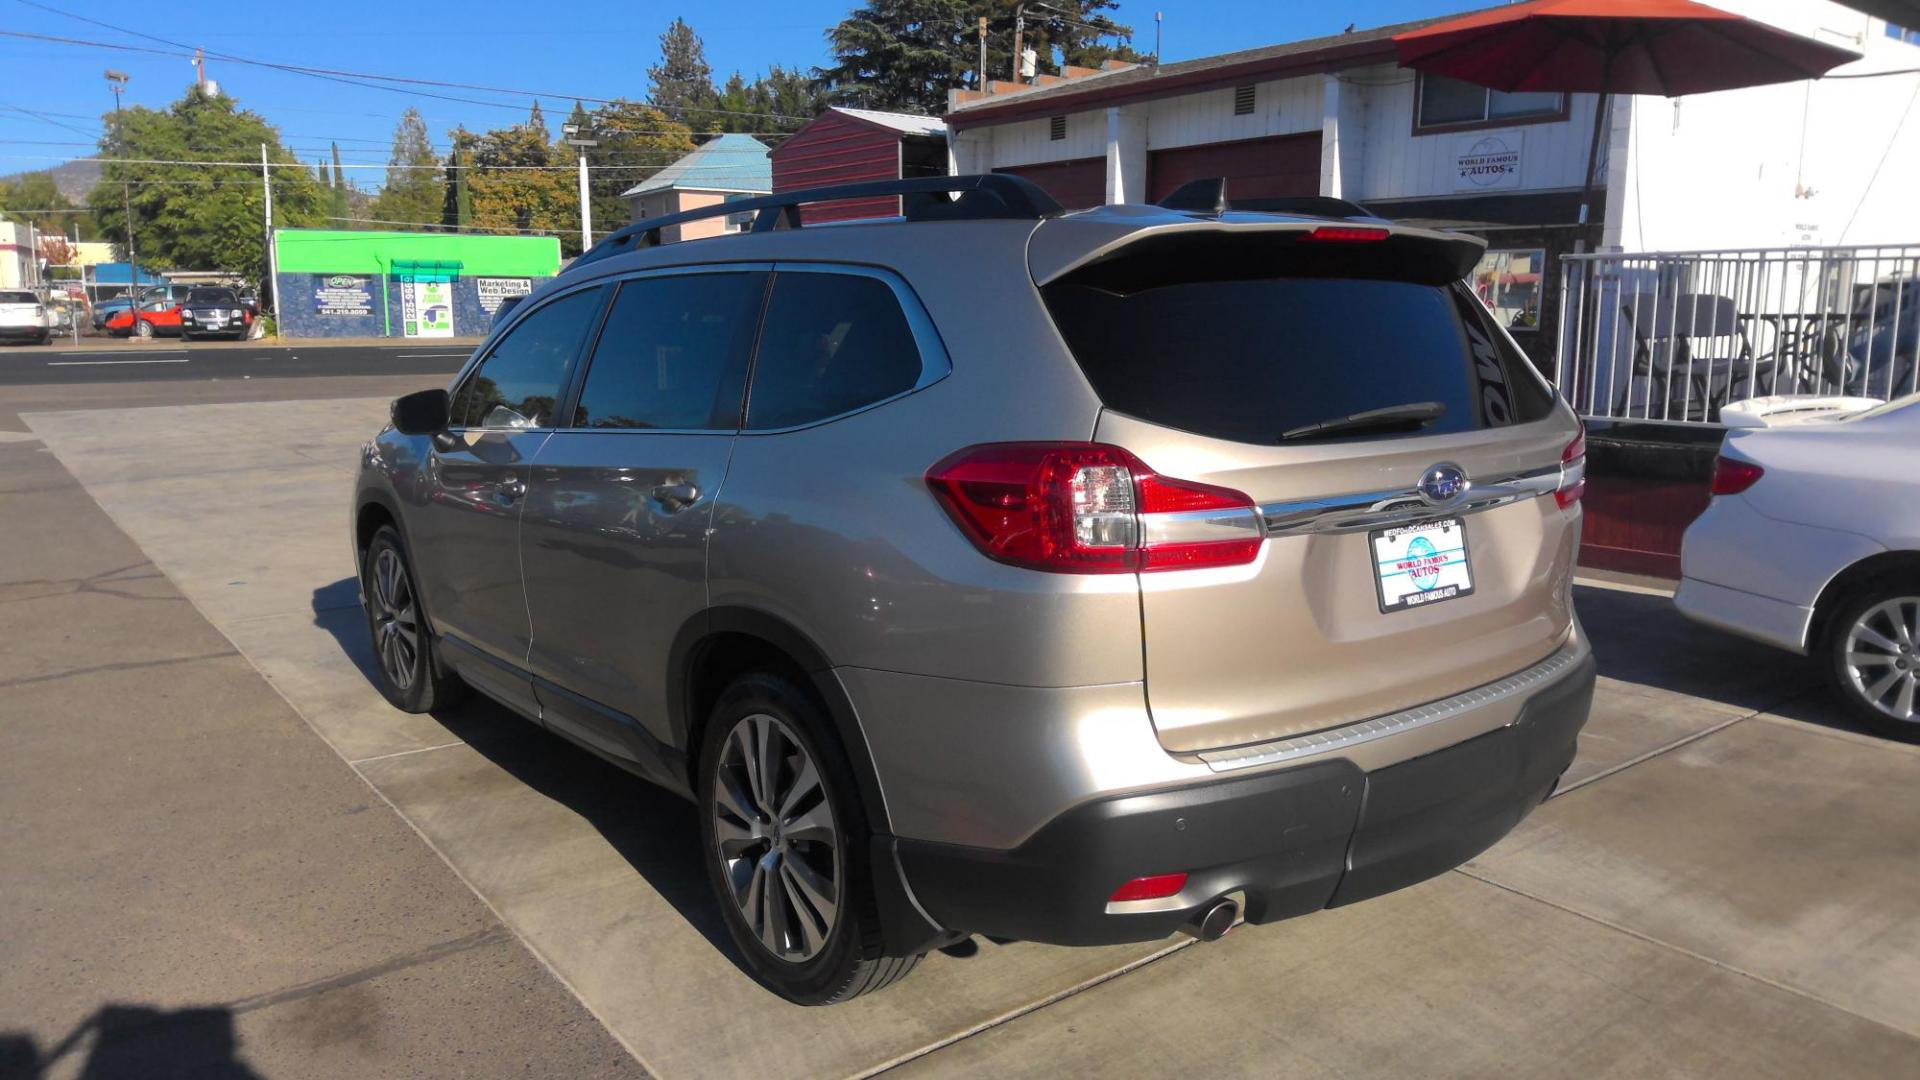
1412	415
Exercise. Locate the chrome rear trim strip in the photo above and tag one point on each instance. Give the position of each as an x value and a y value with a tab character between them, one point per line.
1340	738
1382	509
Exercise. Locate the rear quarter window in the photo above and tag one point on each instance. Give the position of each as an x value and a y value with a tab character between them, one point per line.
830	344
1247	360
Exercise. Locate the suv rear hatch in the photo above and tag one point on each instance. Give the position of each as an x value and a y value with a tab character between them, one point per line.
21	309
1255	354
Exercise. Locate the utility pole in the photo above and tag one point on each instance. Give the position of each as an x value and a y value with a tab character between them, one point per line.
1019	34
271	293
117	82
573	136
983	55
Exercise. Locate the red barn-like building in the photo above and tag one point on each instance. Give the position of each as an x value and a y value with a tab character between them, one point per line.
845	146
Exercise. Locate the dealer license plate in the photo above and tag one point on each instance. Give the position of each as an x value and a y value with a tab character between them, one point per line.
1421	564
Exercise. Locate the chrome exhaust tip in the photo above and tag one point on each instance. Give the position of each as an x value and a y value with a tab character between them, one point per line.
1213	923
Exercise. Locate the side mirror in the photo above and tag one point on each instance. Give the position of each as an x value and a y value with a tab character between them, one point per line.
423	412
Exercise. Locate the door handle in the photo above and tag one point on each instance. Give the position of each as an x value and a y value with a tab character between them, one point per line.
508	490
676	497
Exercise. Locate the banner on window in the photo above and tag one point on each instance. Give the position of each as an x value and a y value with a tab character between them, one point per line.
426	309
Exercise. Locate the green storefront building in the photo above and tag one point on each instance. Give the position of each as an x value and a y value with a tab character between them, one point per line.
334	283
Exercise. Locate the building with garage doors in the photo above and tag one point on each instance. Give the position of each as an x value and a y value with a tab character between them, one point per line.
1337	116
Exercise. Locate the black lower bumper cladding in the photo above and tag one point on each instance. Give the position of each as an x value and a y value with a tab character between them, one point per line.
1294	841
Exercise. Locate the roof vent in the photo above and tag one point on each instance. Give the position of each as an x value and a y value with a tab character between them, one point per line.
1242	100
1057	128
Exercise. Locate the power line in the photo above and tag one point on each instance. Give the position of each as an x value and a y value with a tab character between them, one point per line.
350	77
363	165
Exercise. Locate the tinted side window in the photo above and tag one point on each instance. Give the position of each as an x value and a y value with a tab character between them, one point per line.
519	383
673	353
830	344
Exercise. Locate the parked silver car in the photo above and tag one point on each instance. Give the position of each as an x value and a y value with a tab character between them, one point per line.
1074	578
1812	544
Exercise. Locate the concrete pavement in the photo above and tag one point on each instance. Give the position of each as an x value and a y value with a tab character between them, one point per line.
1721	887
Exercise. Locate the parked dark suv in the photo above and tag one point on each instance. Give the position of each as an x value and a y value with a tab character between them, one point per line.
1075	578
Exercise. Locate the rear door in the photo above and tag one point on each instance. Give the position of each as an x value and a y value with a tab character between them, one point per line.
1367	598
614	538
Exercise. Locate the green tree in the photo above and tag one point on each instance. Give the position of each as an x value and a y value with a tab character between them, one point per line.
780	101
900	55
340	195
457	210
412	193
517	184
635	141
204	211
681	84
35	198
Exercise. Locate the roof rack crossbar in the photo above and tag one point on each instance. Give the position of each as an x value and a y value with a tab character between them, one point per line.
982	197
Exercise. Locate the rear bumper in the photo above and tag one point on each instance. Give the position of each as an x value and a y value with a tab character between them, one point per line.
1761	618
1292	840
23	333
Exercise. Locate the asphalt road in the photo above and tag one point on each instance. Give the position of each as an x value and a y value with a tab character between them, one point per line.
121	362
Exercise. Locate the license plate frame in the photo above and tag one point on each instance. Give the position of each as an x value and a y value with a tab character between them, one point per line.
1392	549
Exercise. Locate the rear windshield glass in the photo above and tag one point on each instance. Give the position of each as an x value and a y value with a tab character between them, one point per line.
212	296
17	298
1252	360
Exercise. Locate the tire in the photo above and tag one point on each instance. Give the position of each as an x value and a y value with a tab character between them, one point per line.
821	859
409	673
143	329
1871	644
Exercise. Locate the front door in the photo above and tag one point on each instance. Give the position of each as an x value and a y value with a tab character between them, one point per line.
466	531
614	538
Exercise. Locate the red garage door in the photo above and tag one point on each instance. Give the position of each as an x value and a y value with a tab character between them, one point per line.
1254	168
1076	185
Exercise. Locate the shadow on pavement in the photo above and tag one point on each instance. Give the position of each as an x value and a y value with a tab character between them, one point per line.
655	831
135	1041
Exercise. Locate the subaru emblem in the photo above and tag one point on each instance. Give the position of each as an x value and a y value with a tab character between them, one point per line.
1443	484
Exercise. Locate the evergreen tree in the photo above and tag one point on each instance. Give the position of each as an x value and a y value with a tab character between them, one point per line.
899	55
412	193
195	216
681	84
340	201
458	208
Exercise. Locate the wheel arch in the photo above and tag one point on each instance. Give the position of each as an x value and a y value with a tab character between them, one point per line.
722	643
1904	564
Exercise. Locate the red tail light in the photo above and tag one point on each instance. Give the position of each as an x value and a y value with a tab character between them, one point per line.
1345	234
1731	477
1573	471
1086	508
1156	887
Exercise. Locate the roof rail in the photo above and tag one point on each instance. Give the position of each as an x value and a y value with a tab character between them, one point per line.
982	197
1209	196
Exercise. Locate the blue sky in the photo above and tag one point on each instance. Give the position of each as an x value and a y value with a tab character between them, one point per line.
479	41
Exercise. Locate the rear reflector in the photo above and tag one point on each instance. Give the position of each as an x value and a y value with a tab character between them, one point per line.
1731	477
1573	471
1155	887
1088	508
1345	234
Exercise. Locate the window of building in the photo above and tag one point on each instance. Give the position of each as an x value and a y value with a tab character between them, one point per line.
1057	128
673	353
1508	282
519	383
1445	102
830	344
1242	100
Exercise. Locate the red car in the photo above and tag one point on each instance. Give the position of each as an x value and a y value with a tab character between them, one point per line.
159	317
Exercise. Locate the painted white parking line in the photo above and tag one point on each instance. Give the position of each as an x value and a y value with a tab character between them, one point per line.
89	363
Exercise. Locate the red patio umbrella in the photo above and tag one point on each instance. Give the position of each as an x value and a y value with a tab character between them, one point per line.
1666	47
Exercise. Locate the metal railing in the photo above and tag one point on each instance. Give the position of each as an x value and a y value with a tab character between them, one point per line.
1673	336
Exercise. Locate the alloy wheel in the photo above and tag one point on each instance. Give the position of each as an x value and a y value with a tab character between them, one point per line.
1883	656
778	843
396	619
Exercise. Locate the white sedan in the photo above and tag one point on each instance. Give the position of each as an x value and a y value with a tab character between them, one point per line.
1812	544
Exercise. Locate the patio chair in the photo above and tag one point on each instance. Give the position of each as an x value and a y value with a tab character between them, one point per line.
1690	350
